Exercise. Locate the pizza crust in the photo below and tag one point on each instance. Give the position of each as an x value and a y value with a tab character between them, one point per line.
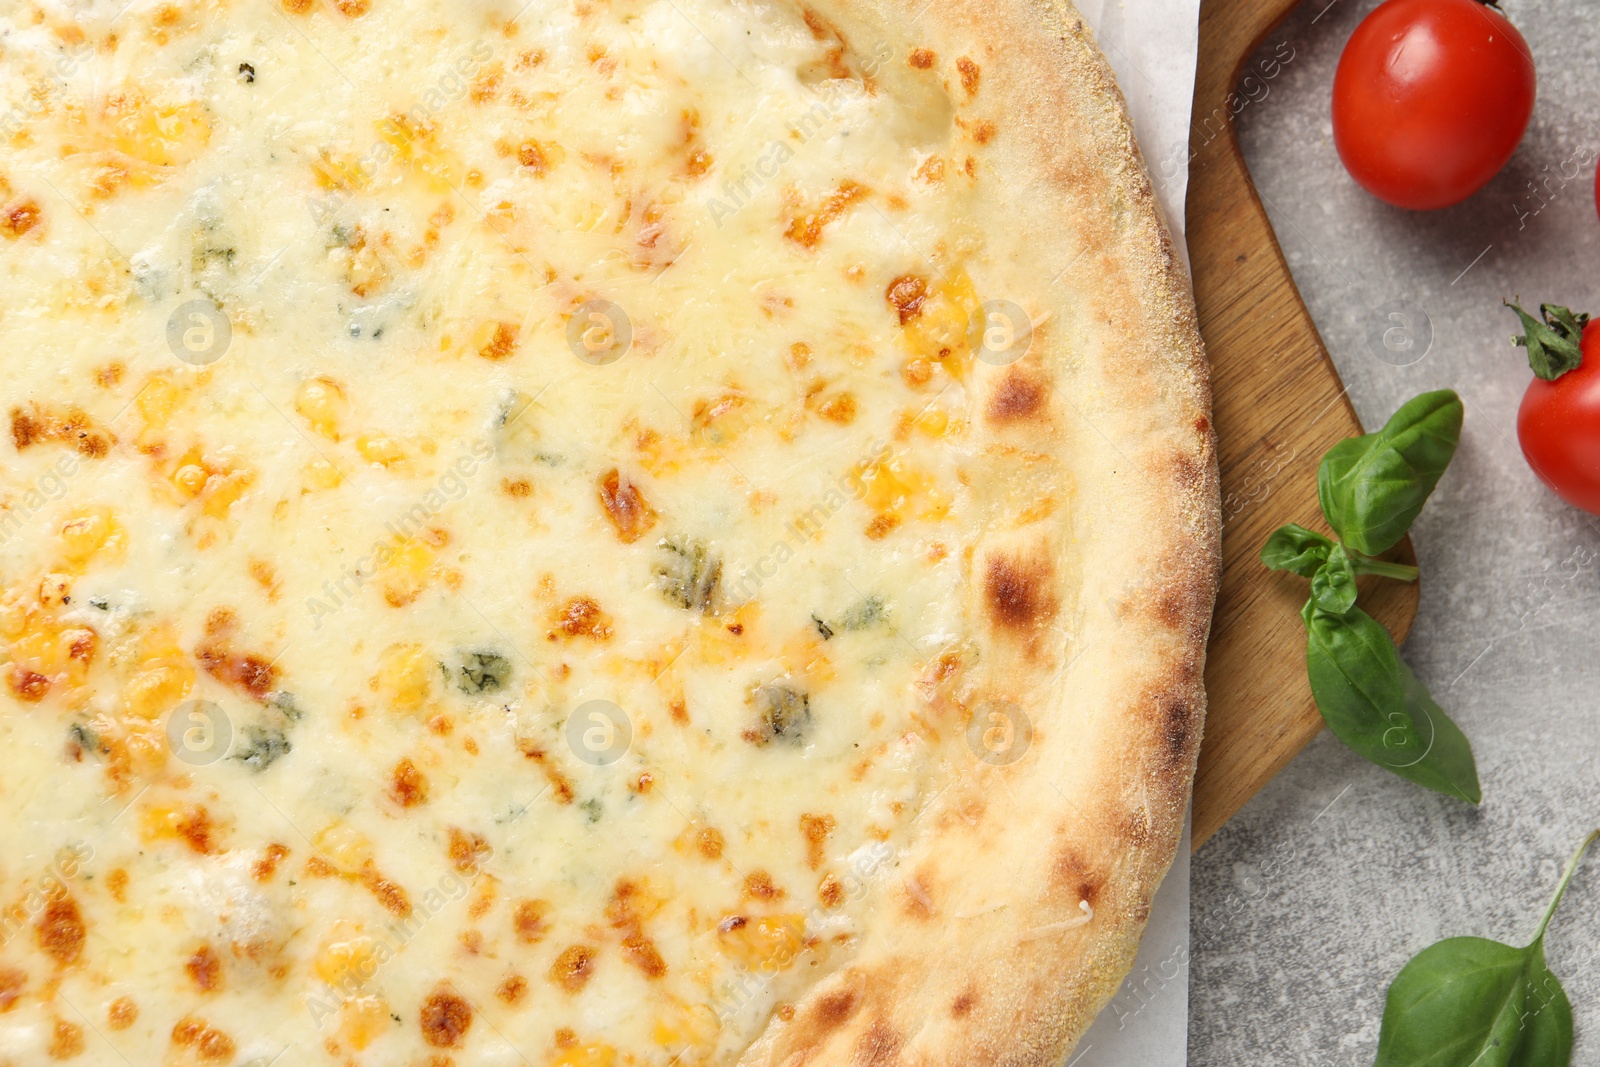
1013	918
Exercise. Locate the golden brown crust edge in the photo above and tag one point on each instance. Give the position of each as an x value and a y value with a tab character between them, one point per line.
980	948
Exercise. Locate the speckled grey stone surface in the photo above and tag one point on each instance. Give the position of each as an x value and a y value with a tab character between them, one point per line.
1314	896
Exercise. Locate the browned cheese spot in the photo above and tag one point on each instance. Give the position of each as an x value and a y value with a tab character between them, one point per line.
121	1013
204	969
408	786
390	894
922	58
758	885
210	1044
906	294
805	228
60	929
815	829
502	344
581	617
512	990
983	132
962	1006
197	830
528	919
1018	396
12	983
625	506
445	1018
66	1040
27	685
840	408
267	865
559	782
573	968
831	892
70	427
467	850
640	951
709	842
969	75
1017	592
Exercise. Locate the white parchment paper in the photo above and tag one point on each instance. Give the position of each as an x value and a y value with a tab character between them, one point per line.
1152	46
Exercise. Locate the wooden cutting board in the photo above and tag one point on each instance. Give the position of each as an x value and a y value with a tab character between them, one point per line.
1279	407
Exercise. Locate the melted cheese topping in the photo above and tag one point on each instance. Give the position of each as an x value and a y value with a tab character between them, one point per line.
482	529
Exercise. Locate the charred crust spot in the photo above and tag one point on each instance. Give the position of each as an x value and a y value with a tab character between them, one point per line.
1017	592
408	786
1072	875
880	1044
919	898
60	930
204	969
906	294
835	1009
1202	425
445	1018
573	968
1176	720
962	1006
1018	396
968	70
922	58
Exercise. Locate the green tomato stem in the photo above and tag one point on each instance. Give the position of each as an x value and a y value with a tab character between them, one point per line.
1383	568
1572	868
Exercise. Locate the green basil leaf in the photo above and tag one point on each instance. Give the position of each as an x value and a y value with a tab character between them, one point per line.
1372	702
1333	587
1471	1002
1295	548
1373	487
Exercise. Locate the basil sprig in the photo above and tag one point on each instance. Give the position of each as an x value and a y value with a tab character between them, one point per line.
1372	488
1472	1002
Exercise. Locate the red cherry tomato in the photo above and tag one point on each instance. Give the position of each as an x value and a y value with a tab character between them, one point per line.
1558	427
1430	100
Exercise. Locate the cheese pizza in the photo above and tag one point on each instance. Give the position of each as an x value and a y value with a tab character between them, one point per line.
585	532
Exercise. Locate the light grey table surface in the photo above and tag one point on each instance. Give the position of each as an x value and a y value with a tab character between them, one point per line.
1325	884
